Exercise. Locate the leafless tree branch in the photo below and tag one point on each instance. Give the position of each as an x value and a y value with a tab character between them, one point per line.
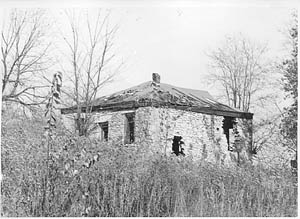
92	57
24	55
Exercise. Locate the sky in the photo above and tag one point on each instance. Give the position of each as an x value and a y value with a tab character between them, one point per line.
173	39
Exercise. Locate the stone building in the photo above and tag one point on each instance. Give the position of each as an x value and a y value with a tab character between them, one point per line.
152	113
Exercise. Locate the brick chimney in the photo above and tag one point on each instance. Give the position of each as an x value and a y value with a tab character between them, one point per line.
156	79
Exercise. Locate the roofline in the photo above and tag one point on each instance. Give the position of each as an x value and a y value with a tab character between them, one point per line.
134	105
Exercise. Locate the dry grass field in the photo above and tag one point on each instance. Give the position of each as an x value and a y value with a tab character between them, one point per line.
89	178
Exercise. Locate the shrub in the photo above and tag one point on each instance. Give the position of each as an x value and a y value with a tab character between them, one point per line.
92	178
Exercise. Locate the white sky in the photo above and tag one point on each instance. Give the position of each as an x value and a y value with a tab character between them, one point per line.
171	39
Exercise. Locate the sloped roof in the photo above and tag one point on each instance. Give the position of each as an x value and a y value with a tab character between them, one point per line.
158	95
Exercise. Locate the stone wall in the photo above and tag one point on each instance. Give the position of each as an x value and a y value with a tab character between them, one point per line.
116	124
203	134
69	121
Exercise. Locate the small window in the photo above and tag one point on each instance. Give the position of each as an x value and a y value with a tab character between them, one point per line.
294	163
79	126
177	146
129	128
228	123
104	131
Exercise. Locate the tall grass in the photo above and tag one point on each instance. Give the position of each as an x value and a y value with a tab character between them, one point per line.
90	178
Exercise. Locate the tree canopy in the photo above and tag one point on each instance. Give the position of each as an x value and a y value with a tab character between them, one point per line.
289	68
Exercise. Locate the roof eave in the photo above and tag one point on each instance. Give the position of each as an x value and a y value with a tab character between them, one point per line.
134	104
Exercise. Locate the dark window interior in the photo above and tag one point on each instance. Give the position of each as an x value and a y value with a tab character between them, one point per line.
294	163
104	130
177	145
80	126
129	128
228	123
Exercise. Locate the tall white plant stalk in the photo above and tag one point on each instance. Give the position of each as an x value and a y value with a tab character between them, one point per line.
51	106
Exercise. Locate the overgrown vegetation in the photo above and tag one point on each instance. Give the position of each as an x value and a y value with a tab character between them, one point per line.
56	173
289	67
90	178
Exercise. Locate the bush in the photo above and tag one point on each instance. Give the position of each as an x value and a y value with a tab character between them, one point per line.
91	178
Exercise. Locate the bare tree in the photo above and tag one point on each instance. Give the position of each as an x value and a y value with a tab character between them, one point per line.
240	69
24	57
90	60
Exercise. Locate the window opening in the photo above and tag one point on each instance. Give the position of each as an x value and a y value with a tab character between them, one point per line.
227	126
294	166
177	146
129	128
79	126
104	130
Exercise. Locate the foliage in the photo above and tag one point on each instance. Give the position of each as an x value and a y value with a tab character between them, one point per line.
52	118
92	178
290	86
22	156
53	100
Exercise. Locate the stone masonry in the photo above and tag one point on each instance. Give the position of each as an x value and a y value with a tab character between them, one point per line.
202	134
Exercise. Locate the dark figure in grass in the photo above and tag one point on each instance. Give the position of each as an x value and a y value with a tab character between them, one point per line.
177	146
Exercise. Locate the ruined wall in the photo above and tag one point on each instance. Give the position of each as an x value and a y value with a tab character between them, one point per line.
243	140
69	121
155	127
203	135
116	124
